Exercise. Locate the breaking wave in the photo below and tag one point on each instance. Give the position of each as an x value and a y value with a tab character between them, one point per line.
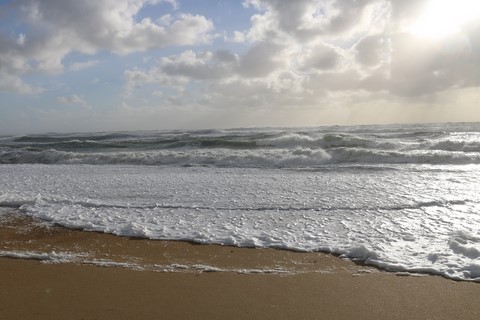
263	147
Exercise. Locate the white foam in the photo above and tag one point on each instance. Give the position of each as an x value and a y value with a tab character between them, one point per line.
411	219
84	258
45	257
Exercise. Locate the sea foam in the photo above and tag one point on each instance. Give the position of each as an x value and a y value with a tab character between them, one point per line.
400	220
401	197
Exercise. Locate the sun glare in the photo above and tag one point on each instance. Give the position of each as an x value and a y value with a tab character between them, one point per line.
441	18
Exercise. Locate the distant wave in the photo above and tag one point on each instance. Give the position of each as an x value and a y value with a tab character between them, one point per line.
242	158
261	147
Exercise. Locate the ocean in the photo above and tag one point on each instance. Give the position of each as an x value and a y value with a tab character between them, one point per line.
404	198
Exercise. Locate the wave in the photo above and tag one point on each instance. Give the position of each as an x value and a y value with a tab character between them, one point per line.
325	141
242	158
452	145
49	138
280	147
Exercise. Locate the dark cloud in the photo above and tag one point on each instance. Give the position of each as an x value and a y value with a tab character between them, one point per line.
261	60
372	49
322	57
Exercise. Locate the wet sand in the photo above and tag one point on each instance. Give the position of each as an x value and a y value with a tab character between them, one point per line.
108	277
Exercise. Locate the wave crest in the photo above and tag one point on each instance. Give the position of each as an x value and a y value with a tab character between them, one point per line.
252	147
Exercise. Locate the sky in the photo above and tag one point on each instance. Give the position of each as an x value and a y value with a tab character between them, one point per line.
110	65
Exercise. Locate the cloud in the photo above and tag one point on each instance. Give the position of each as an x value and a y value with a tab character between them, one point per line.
208	68
236	37
307	19
199	66
13	64
295	57
90	26
372	49
322	57
136	78
74	100
307	54
77	66
261	60
10	83
424	70
55	28
284	59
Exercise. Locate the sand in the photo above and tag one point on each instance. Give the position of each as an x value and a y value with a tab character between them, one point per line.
112	277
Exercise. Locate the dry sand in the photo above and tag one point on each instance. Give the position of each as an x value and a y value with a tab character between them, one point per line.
301	285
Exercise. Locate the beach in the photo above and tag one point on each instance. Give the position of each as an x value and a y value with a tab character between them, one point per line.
256	159
72	274
360	222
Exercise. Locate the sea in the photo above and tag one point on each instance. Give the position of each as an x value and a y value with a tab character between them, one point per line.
404	198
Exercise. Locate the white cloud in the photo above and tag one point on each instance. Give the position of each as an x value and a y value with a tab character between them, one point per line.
306	55
74	100
296	57
307	19
236	37
13	64
200	66
135	78
281	67
89	26
9	83
77	66
56	28
21	39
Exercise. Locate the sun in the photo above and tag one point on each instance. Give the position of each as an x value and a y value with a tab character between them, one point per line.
442	18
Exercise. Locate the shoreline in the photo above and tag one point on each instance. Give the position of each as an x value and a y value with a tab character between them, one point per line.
24	237
69	291
129	278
